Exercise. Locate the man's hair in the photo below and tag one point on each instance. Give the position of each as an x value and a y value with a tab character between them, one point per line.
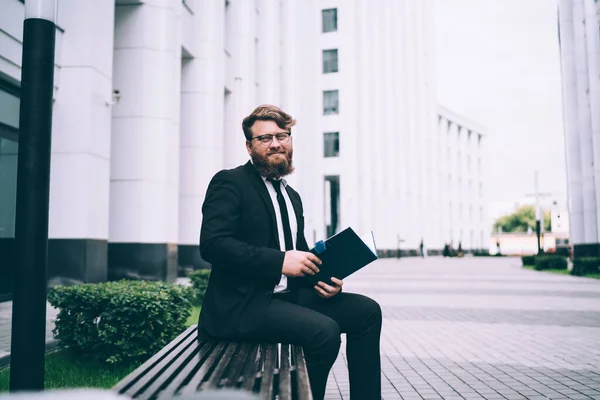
267	112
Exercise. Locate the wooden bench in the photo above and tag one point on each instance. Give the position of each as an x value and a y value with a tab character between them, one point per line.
187	366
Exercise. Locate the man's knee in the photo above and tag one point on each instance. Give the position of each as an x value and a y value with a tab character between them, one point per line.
326	339
372	312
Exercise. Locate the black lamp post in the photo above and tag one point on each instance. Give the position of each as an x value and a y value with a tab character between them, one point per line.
33	186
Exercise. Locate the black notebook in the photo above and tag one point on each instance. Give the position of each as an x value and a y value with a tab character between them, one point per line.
342	255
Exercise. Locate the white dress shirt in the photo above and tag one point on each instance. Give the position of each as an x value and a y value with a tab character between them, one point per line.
282	285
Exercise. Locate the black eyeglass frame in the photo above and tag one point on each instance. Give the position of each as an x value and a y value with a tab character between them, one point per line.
282	137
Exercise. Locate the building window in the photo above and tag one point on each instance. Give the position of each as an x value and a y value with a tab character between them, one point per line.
329	20
332	204
330	61
331	102
9	149
331	144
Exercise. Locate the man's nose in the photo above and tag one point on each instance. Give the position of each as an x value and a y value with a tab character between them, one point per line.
275	143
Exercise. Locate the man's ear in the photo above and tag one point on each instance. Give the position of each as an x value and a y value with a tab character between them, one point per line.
249	146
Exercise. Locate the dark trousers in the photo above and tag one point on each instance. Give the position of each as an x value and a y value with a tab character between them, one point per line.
316	324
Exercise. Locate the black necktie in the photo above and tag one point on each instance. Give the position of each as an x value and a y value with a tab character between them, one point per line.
285	218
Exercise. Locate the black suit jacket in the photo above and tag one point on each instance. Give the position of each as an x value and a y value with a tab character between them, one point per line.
239	238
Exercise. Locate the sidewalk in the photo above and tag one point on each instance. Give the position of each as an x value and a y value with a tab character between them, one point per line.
480	328
6	326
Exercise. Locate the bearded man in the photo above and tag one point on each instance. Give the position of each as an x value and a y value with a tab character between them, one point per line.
253	235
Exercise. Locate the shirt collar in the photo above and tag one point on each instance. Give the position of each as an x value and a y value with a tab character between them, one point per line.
283	181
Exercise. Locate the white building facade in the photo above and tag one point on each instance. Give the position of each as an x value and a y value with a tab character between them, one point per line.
459	192
149	99
579	30
384	166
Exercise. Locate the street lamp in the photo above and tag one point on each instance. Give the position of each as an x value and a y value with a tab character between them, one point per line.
539	217
28	338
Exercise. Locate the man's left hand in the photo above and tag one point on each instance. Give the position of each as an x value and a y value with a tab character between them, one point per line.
326	291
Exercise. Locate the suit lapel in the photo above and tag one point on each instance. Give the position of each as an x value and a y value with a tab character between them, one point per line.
259	184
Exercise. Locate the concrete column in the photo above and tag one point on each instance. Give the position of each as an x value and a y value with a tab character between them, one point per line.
269	52
365	159
444	186
584	125
145	142
388	131
569	82
592	49
201	144
308	134
399	116
242	26
79	182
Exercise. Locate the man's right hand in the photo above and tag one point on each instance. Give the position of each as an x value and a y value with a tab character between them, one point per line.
300	263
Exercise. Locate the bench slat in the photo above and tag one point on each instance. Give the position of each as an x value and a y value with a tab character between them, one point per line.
199	376
240	360
215	377
250	372
302	382
188	365
285	383
171	372
148	365
205	348
269	366
142	388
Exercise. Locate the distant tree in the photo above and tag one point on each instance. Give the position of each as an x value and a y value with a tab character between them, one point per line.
521	220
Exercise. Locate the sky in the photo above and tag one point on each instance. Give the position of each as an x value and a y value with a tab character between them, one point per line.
498	64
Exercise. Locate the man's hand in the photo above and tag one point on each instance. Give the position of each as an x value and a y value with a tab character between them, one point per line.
300	263
326	291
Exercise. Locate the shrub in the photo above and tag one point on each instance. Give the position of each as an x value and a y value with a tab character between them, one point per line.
550	262
586	265
199	279
119	322
528	260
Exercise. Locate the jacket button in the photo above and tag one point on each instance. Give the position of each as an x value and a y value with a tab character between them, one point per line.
268	292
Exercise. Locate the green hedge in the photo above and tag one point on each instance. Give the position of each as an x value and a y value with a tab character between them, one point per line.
550	262
528	260
199	280
119	322
586	265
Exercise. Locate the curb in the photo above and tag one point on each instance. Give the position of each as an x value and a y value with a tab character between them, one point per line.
50	345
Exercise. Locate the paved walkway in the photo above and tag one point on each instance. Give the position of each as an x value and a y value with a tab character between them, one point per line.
480	328
472	328
6	326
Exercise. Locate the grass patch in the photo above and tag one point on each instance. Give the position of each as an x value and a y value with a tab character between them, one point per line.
66	370
561	272
193	319
593	276
554	271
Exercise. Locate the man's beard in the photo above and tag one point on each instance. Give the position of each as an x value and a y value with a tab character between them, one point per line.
273	168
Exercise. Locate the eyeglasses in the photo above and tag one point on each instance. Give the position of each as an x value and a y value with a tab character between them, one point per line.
266	140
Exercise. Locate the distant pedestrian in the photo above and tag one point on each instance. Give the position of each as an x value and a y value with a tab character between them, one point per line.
446	251
421	248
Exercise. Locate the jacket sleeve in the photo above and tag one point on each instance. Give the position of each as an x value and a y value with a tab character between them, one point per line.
221	221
